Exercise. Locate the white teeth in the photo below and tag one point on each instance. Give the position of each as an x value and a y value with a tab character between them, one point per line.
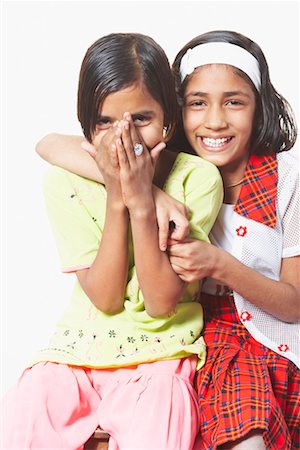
210	142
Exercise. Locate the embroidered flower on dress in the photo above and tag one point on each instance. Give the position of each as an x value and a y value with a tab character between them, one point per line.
120	350
131	339
283	348
241	231
245	316
112	333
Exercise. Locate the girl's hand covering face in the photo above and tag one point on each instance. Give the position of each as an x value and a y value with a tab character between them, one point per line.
104	152
172	215
136	171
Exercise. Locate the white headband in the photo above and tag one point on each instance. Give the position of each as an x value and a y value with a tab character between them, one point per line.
221	53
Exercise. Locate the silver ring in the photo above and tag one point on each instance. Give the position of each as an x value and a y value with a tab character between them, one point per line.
138	149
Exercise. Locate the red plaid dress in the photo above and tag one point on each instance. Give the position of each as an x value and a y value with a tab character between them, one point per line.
243	385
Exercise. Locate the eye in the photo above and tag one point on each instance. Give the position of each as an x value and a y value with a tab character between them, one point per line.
234	102
103	123
141	120
195	104
198	103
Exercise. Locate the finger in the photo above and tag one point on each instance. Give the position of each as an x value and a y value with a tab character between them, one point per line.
85	145
135	136
172	242
155	152
113	156
163	232
117	128
121	154
179	270
128	144
177	261
181	229
184	277
175	250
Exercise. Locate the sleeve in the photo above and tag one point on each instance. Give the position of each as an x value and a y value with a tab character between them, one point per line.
203	196
76	233
198	184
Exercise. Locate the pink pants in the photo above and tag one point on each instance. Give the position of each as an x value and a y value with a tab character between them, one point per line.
150	406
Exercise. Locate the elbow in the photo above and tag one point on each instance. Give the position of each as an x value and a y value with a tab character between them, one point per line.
155	314
159	309
164	304
293	316
109	309
108	306
44	144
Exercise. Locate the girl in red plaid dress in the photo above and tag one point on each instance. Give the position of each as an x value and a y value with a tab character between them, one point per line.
249	388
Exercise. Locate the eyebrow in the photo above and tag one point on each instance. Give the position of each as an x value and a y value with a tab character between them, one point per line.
137	113
143	113
225	94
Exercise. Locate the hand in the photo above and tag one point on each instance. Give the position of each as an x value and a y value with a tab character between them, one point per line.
136	171
154	152
172	218
103	150
193	260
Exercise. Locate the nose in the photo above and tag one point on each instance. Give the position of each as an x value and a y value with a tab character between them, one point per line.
215	118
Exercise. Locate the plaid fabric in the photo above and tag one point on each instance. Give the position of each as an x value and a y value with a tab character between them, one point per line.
243	385
257	199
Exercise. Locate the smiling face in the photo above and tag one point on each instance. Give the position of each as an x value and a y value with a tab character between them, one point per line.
147	114
218	112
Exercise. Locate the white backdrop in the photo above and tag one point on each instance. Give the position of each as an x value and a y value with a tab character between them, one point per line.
43	45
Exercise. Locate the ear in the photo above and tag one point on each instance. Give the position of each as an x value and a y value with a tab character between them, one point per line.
167	132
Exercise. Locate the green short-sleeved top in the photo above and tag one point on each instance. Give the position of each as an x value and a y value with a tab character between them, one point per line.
85	336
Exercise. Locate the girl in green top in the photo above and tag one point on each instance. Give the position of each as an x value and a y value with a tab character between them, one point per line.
124	353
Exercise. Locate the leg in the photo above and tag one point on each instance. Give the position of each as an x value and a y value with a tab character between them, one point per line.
154	407
53	406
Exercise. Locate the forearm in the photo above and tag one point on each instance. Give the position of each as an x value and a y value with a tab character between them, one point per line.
161	286
65	151
279	298
105	281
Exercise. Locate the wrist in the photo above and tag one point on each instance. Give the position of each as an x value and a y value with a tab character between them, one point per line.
115	203
220	264
143	212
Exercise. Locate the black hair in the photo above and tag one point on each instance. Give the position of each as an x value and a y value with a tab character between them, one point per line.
117	61
274	126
